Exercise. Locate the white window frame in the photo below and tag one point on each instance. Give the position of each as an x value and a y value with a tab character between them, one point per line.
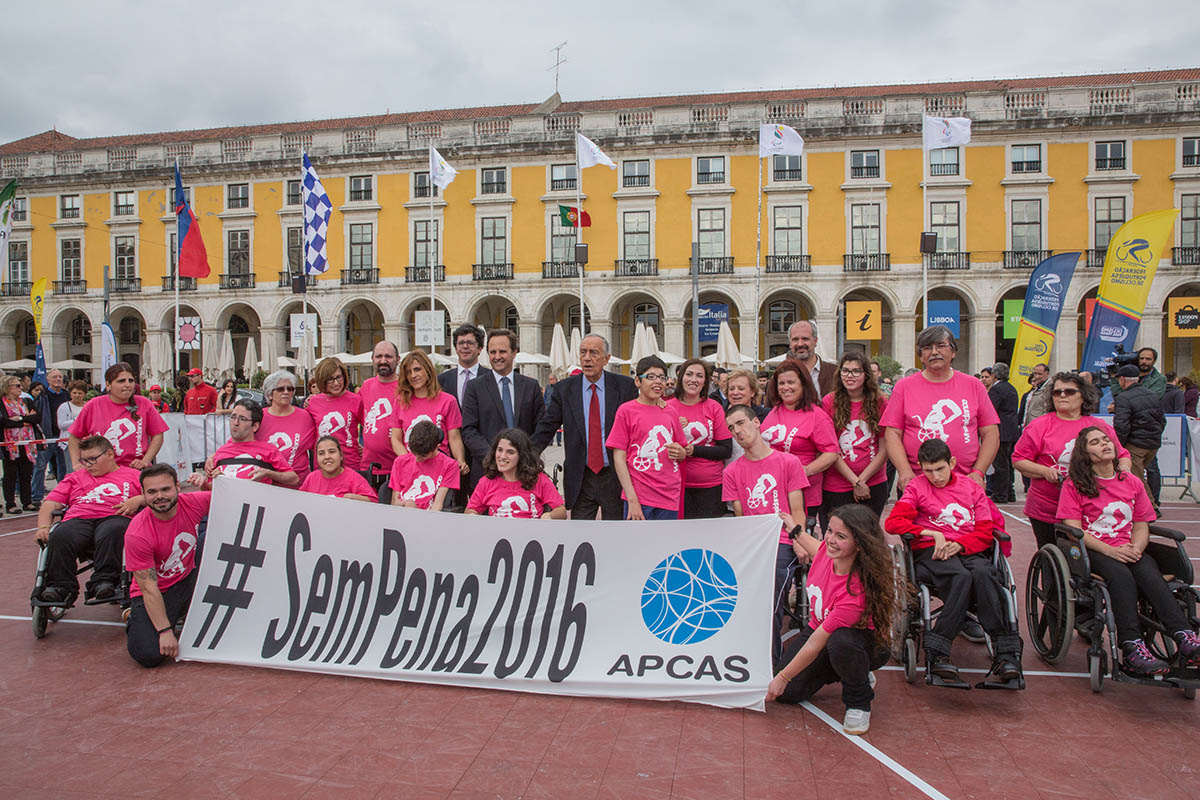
136	256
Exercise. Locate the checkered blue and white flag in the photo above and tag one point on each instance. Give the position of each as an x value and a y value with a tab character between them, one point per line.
317	209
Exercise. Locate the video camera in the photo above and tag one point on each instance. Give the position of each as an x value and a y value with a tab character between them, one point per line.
1118	359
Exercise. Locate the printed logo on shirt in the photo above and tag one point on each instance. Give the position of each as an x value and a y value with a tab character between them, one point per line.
241	471
104	492
1064	458
697	432
646	456
855	436
421	418
780	434
1115	518
423	486
815	601
955	517
117	431
185	543
513	505
943	412
380	409
758	495
331	423
285	444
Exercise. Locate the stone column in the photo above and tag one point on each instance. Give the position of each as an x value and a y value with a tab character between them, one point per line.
268	346
331	339
1066	343
1150	333
673	335
747	335
827	337
904	340
529	336
983	342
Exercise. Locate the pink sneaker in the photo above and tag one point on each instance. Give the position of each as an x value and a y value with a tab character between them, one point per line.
1189	648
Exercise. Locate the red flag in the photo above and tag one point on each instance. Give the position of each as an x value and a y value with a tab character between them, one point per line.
192	260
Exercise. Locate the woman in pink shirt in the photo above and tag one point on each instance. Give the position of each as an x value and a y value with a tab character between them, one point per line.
1043	452
1112	509
708	440
291	430
856	406
419	397
127	419
331	477
337	411
513	483
798	425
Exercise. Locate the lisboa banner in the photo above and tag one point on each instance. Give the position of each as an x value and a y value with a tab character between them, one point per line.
1039	315
658	610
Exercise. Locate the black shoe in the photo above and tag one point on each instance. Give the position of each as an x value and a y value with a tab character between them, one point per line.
13	509
34	506
941	666
104	590
52	594
972	631
1006	668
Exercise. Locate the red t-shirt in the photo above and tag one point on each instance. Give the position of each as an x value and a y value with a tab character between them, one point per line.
441	410
378	401
953	411
88	497
643	432
703	423
762	486
263	451
200	399
341	418
856	444
806	434
130	437
349	482
419	481
168	547
1110	516
1048	440
293	436
497	497
834	601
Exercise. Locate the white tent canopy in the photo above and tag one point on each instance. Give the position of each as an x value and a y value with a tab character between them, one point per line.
21	363
522	358
70	363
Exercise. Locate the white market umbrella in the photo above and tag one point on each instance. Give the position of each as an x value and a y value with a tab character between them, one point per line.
250	365
522	358
70	363
779	359
225	359
442	361
360	360
283	362
641	345
727	354
343	357
670	358
560	351
306	359
651	341
576	341
617	360
21	363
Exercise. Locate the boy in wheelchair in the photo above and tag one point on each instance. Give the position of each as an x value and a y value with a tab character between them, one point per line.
949	521
1112	509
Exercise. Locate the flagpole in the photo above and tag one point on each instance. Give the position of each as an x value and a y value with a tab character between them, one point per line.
924	227
431	256
175	280
758	257
304	260
583	331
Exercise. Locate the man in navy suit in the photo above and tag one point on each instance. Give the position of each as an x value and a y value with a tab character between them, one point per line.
585	406
468	344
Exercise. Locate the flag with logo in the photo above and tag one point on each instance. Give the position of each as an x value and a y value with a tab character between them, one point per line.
6	207
108	347
589	154
192	258
779	140
37	302
571	217
945	131
441	174
317	209
1129	267
1048	286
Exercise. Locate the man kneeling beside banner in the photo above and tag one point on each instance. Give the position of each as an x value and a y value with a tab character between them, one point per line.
658	610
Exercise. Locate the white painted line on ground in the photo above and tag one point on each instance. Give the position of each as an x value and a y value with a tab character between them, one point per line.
1021	520
14	533
1034	672
75	621
877	754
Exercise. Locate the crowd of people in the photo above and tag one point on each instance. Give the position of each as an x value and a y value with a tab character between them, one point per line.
817	444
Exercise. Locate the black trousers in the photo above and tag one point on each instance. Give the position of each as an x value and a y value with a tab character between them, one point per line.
75	540
380	483
703	502
1154	478
848	658
962	582
1000	482
1125	582
832	500
18	473
599	491
140	636
1043	531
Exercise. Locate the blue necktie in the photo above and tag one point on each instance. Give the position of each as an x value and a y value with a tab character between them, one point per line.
506	399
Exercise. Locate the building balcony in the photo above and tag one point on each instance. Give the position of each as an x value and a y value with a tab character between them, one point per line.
789	263
70	287
1185	256
948	260
710	177
864	172
1110	163
714	265
866	262
1095	257
1024	259
1191	160
237	280
943	169
421	274
788	175
562	184
493	187
635	181
285	279
491	272
185	284
560	269
1020	167
124	285
17	288
360	275
635	267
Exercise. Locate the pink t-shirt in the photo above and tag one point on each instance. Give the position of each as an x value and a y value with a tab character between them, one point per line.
263	451
806	434
349	482
88	497
168	547
441	410
497	497
643	432
378	402
1048	440
1110	516
703	423
834	601
856	444
952	411
762	486
340	417
950	510
293	436
419	481
130	437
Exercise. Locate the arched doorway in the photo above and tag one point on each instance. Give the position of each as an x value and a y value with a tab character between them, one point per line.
562	309
1005	345
362	326
496	311
708	345
1085	308
188	357
129	329
410	320
849	339
628	311
1180	354
243	325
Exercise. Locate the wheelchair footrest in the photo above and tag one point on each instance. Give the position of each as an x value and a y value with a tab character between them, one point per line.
1014	684
935	680
63	604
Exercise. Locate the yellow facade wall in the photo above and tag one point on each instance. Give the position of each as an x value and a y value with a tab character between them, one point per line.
1154	190
673	212
983	226
459	246
392	238
1067	220
904	217
826	208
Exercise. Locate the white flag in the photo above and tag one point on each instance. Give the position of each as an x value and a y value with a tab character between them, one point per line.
945	132
779	140
588	154
441	174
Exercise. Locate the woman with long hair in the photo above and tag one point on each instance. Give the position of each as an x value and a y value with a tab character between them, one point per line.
331	478
855	406
127	419
337	411
289	428
1191	394
708	442
798	425
419	397
853	592
18	423
514	483
226	396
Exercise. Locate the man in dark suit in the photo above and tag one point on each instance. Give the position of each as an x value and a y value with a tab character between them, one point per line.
585	406
468	344
1004	399
498	400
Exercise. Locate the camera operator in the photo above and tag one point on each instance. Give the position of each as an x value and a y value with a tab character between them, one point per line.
1139	421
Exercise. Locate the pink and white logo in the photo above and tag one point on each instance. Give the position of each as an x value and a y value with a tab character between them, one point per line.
240	471
511	506
331	423
422	487
185	542
1115	518
698	432
419	418
856	435
758	495
646	455
816	601
933	426
380	409
118	430
955	517
103	493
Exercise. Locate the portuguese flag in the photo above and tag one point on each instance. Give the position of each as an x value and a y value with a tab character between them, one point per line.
570	217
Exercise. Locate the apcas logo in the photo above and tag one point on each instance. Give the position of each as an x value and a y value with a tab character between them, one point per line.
1113	333
689	596
1136	250
1049	283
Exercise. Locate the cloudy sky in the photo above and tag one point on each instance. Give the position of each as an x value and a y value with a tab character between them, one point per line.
126	66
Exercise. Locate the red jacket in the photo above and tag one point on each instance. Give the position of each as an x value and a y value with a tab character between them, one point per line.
201	399
904	515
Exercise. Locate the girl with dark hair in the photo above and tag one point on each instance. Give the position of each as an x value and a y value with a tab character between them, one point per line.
798	425
227	396
1112	509
331	476
854	599
127	419
708	442
856	405
1191	394
513	483
422	477
337	411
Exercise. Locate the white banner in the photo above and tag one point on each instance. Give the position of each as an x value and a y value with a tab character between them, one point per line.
429	328
191	438
1172	453
298	324
1194	447
658	610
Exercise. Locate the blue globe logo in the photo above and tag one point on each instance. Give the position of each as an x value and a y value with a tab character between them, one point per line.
689	596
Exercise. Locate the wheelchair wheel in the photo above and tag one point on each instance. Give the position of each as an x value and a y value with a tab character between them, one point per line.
1049	607
910	660
1096	668
40	618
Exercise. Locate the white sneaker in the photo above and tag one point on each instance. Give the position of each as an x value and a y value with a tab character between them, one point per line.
871	680
857	721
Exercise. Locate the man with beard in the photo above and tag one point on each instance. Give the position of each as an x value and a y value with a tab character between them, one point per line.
378	395
802	337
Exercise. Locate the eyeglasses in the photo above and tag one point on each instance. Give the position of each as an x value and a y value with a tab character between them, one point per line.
852	373
937	346
239	418
1071	392
656	378
284	389
88	461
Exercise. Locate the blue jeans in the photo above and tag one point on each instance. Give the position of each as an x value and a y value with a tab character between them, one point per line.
51	456
650	512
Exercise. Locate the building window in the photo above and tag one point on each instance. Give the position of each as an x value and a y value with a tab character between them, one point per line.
494	181
362	238
1110	215
864	163
573	318
18	262
294	195
421	185
173	254
129	331
786	168
943	161
1026	158
635	173
789	233
1191	152
1026	225
20	209
69	206
562	241
1110	155
425	237
29	333
943	217
187	195
1189	231
710	232
360	188
72	264
295	250
562	177
781	316
239	195
648	314
494	240
710	169
123	248
511	318
636	234
864	229
122	204
239	253
81	331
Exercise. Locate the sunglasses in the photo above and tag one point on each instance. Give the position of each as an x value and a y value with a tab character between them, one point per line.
1065	392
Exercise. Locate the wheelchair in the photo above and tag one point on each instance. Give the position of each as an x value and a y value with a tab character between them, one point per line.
918	615
799	609
44	612
1064	596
